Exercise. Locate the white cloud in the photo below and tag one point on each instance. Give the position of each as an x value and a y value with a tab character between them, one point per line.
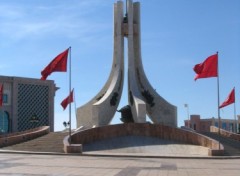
20	21
10	12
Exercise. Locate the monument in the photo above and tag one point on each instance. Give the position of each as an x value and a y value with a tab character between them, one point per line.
143	100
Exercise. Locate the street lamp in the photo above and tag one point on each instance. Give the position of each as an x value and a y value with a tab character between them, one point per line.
66	124
34	119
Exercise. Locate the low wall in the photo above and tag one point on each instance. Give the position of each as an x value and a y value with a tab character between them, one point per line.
15	138
144	129
225	133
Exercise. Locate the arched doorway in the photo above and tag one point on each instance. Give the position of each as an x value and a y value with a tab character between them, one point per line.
4	122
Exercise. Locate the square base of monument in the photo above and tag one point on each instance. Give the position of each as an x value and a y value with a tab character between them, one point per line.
73	148
212	152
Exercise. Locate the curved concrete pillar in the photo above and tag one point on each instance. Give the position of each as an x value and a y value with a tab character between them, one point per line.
135	99
158	109
101	109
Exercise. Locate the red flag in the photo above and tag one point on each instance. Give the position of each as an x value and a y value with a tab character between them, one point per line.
230	99
209	68
67	100
1	95
59	63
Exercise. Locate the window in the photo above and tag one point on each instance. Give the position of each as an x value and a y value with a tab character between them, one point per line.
4	122
224	126
203	127
5	98
216	124
231	127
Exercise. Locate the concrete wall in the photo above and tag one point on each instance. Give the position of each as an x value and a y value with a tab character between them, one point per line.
18	137
225	133
144	129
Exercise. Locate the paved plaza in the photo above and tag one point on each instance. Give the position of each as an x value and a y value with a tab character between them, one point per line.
61	165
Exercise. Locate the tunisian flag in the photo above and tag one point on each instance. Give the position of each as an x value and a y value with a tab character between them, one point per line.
67	100
58	64
230	99
1	95
209	68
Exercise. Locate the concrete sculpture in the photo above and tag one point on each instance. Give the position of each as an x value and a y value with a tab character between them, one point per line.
142	98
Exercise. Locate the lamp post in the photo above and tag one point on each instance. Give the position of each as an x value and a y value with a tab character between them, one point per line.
187	108
66	124
34	119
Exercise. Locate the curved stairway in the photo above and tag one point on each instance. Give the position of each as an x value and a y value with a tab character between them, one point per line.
52	142
231	147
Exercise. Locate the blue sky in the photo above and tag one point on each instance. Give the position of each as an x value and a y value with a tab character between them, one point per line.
176	35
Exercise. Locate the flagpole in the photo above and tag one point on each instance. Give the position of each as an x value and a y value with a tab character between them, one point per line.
74	99
235	119
218	99
218	106
70	123
2	111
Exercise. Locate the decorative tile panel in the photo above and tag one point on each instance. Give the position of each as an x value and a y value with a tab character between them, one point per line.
33	102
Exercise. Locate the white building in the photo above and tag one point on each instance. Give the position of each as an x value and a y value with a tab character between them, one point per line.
27	103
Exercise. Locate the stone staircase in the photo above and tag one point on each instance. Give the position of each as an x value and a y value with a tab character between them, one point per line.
51	142
231	147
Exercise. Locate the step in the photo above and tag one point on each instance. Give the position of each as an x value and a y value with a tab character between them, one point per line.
52	142
231	146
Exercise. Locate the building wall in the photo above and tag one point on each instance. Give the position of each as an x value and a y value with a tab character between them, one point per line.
195	122
203	125
28	98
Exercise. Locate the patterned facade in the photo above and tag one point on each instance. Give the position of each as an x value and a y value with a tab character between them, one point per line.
27	103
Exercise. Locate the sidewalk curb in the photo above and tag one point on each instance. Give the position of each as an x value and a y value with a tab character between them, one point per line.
116	155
